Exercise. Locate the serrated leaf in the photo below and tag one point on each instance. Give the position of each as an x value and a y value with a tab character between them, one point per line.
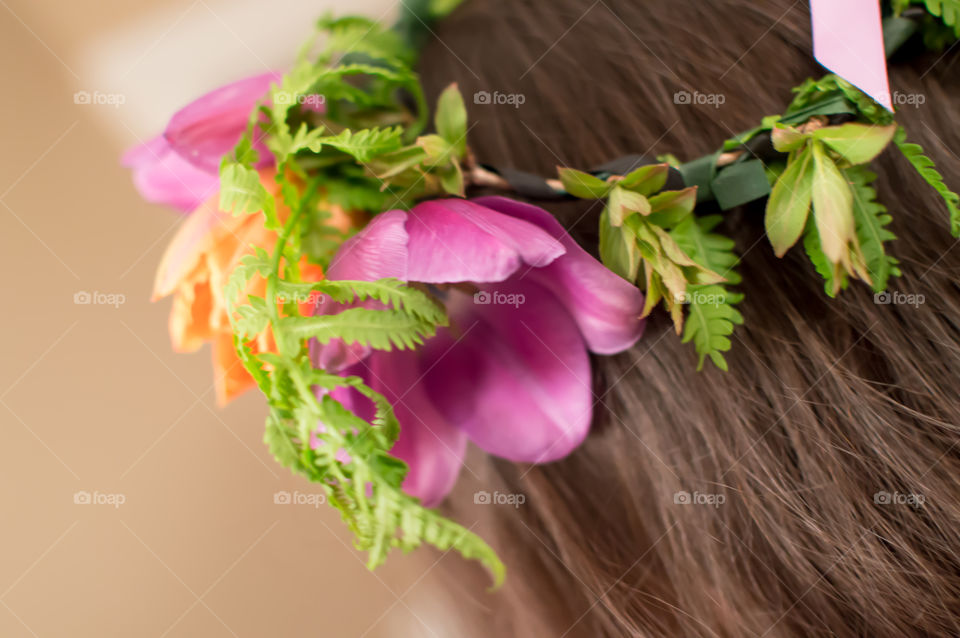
871	220
928	171
379	329
710	323
365	144
834	277
241	192
711	317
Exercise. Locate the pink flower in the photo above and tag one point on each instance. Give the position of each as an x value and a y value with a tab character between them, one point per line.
512	372
179	168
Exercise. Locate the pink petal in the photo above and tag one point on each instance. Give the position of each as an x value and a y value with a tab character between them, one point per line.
378	251
605	306
430	446
453	240
514	378
163	177
208	128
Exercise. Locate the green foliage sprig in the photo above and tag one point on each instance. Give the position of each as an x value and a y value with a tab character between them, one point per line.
364	142
684	264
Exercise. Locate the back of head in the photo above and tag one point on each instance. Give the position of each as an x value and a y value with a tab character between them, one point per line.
829	404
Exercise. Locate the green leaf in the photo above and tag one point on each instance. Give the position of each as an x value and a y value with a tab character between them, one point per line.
379	329
835	279
711	316
928	170
871	219
789	202
622	203
712	319
711	250
856	143
646	180
667	208
242	192
946	10
390	292
365	144
451	119
832	206
438	150
618	248
787	138
253	317
583	185
451	179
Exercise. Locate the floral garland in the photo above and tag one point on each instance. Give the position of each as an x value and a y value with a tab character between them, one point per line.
332	307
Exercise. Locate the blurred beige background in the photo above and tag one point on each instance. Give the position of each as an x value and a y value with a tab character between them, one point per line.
93	402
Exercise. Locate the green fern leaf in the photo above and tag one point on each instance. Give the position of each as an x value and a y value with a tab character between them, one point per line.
379	329
927	169
711	316
871	221
241	192
365	144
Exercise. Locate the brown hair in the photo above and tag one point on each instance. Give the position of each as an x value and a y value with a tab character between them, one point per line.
828	404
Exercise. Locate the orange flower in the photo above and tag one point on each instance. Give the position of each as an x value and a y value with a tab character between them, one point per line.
195	268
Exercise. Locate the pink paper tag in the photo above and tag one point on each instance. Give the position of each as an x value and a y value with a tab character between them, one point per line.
848	40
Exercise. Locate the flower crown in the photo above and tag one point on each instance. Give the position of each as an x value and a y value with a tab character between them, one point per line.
333	262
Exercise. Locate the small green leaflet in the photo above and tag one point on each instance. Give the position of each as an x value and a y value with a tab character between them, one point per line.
242	193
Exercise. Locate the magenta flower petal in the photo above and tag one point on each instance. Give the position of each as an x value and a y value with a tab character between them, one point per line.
208	128
164	177
377	251
431	447
514	378
605	306
453	240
